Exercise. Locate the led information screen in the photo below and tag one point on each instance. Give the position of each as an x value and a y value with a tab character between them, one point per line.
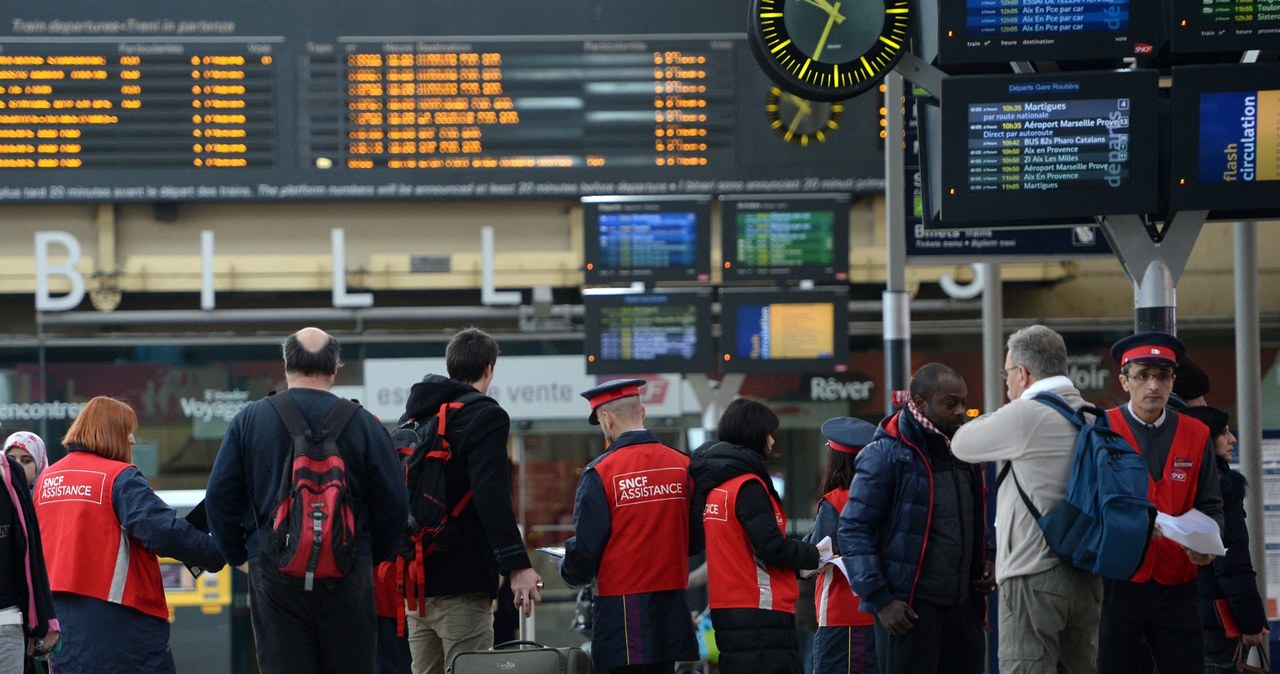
1229	117
1225	25
991	31
785	236
1045	146
648	333
152	101
647	239
784	331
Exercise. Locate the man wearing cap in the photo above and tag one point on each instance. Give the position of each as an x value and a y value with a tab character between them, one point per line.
1048	608
631	535
845	640
1152	617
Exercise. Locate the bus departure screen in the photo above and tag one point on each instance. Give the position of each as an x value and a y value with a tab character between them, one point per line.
991	31
648	333
785	237
789	331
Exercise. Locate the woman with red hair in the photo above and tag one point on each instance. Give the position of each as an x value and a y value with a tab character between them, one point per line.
103	528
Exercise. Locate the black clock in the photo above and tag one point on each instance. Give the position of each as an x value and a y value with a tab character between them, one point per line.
828	50
799	120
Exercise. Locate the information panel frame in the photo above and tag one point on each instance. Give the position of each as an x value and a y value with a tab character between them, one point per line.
610	236
809	211
948	144
742	310
1192	31
694	302
1225	90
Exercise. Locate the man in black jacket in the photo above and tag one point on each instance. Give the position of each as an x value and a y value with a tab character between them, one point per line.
461	578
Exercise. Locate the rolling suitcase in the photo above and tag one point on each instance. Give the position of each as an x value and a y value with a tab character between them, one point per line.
524	657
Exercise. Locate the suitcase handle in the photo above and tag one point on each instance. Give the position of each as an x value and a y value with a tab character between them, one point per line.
518	642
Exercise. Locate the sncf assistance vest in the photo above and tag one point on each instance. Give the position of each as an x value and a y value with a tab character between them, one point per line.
836	604
736	578
648	491
1175	494
87	551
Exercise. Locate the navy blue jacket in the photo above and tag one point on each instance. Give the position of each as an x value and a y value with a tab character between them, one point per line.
884	526
1231	576
242	487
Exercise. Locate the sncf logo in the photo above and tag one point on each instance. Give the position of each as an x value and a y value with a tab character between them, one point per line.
1143	48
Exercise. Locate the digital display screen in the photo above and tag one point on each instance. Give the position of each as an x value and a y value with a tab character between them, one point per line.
1230	160
802	331
646	333
647	239
992	31
785	237
161	101
1043	147
1225	25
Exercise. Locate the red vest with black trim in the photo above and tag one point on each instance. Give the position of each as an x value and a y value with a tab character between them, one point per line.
86	550
1166	562
648	491
736	578
834	600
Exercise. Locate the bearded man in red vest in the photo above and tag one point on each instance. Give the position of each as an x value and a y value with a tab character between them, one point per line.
631	535
1153	617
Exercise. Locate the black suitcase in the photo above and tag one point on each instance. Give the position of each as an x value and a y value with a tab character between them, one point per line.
522	657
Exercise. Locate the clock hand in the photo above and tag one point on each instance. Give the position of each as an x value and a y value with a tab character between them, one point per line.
802	111
828	8
826	31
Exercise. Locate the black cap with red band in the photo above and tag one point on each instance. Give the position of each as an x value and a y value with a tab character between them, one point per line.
1149	348
609	392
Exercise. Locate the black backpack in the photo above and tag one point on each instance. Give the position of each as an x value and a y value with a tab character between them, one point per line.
312	529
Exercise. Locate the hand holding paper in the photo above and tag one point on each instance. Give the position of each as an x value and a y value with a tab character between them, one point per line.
824	550
1194	530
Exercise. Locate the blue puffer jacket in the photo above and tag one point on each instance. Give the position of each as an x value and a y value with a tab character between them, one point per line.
884	526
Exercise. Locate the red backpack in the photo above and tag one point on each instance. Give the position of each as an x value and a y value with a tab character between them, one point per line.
312	529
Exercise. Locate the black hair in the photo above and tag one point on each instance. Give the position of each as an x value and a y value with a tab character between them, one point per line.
469	354
927	379
299	360
839	471
748	423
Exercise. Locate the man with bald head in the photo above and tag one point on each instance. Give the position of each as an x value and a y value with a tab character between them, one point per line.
331	627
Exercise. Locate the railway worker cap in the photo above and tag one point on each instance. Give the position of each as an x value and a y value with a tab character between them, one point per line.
608	392
1149	348
848	434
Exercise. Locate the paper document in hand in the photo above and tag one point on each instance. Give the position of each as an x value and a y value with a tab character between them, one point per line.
1193	529
554	553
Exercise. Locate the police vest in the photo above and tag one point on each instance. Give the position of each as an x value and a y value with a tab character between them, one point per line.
1166	562
86	550
835	601
736	578
647	488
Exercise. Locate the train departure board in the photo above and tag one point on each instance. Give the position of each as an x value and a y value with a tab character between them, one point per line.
646	239
645	333
1229	116
152	101
1043	147
1225	25
991	31
785	237
795	330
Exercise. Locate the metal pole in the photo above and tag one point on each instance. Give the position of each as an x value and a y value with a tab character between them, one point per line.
1249	392
992	337
897	308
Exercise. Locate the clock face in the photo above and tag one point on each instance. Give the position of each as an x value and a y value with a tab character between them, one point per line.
828	50
799	120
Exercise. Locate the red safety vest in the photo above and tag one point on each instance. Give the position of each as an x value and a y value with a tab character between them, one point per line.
735	577
836	603
1166	562
648	491
86	550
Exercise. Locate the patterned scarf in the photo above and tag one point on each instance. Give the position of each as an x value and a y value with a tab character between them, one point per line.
915	412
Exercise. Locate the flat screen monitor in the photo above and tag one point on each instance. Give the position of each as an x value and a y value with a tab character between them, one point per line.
785	236
994	31
647	333
1224	26
1228	160
649	239
1032	149
800	331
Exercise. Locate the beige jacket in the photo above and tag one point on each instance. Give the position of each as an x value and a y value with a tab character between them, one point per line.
1040	443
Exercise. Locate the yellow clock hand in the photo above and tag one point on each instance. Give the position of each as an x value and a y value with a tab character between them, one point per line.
826	31
802	111
826	7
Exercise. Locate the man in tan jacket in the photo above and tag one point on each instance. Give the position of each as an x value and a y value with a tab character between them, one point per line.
1049	609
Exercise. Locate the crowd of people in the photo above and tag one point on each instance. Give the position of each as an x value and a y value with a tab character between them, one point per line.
901	551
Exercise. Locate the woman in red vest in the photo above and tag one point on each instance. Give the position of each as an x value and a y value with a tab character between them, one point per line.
751	564
103	527
845	642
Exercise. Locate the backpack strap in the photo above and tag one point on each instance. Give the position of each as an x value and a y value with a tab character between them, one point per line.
1055	402
302	433
1005	472
446	411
